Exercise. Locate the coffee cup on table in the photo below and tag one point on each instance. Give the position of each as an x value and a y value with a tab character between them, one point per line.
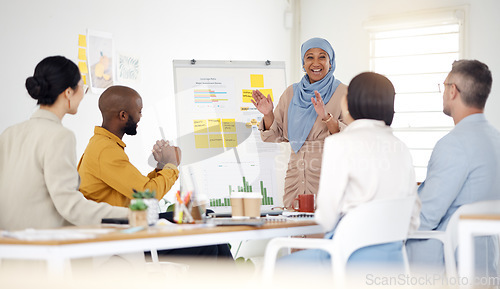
237	209
305	203
251	204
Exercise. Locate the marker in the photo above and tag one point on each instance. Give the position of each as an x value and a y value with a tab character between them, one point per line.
162	133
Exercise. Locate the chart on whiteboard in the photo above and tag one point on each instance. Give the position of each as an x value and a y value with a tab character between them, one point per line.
212	94
218	130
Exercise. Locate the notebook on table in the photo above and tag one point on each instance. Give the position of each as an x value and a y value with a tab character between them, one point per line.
263	212
236	222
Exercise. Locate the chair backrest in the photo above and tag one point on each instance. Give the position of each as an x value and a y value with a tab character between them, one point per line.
372	223
482	207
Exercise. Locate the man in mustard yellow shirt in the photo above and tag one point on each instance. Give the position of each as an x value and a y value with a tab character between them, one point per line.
107	174
105	170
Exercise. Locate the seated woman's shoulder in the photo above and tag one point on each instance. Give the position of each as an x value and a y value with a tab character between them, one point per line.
342	87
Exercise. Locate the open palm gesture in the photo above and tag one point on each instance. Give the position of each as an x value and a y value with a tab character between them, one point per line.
262	103
319	105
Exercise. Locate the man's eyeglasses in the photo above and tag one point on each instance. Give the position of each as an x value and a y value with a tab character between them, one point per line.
85	89
449	83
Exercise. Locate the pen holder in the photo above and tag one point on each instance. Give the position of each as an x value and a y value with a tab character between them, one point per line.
182	213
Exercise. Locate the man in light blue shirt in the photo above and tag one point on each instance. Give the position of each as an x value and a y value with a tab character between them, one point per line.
464	168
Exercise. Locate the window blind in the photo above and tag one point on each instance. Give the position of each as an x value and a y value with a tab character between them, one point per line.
417	58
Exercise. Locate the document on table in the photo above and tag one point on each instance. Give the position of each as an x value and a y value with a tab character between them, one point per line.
298	215
55	234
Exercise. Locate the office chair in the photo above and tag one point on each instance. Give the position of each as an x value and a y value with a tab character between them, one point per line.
449	236
371	223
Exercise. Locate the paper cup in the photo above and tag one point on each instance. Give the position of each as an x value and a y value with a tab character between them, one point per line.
251	205
237	210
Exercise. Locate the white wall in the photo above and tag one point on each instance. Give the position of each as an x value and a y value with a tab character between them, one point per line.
156	30
162	30
341	22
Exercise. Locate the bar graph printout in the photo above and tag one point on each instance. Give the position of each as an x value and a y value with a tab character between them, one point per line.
207	97
218	132
223	179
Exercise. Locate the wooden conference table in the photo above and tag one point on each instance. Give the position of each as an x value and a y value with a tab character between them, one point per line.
111	239
470	226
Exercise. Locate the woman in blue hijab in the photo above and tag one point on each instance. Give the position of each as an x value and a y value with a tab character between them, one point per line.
307	113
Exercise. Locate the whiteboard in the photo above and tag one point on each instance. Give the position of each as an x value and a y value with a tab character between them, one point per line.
217	128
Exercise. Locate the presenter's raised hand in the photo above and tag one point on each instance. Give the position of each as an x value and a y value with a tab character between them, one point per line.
319	105
262	103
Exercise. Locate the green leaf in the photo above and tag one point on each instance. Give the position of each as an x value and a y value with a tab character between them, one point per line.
171	208
146	194
138	205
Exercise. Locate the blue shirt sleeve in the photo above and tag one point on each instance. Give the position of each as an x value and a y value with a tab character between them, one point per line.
446	174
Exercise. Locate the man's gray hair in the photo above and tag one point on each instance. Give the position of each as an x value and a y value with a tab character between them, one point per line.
473	79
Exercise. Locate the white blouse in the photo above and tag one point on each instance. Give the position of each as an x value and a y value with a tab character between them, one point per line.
363	163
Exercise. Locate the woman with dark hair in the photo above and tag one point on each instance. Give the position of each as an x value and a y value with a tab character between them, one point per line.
39	182
375	165
307	113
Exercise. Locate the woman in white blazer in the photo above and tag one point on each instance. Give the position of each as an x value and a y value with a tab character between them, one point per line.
38	177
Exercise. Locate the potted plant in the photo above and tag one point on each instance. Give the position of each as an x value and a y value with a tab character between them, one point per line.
138	214
148	198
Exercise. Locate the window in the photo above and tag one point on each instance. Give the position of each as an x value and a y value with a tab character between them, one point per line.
416	55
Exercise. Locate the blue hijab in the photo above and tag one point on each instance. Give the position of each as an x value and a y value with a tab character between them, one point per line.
301	113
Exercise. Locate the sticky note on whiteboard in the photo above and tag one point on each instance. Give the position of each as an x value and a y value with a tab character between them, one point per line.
215	141
256	80
201	141
228	125
230	140
200	126
214	125
246	94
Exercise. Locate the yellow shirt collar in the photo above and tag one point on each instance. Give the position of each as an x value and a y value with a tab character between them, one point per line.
104	132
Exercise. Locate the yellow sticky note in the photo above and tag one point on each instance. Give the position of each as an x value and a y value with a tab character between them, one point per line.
230	140
200	126
84	77
83	67
256	80
228	125
215	141
247	95
201	141
82	40
267	92
81	54
214	125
